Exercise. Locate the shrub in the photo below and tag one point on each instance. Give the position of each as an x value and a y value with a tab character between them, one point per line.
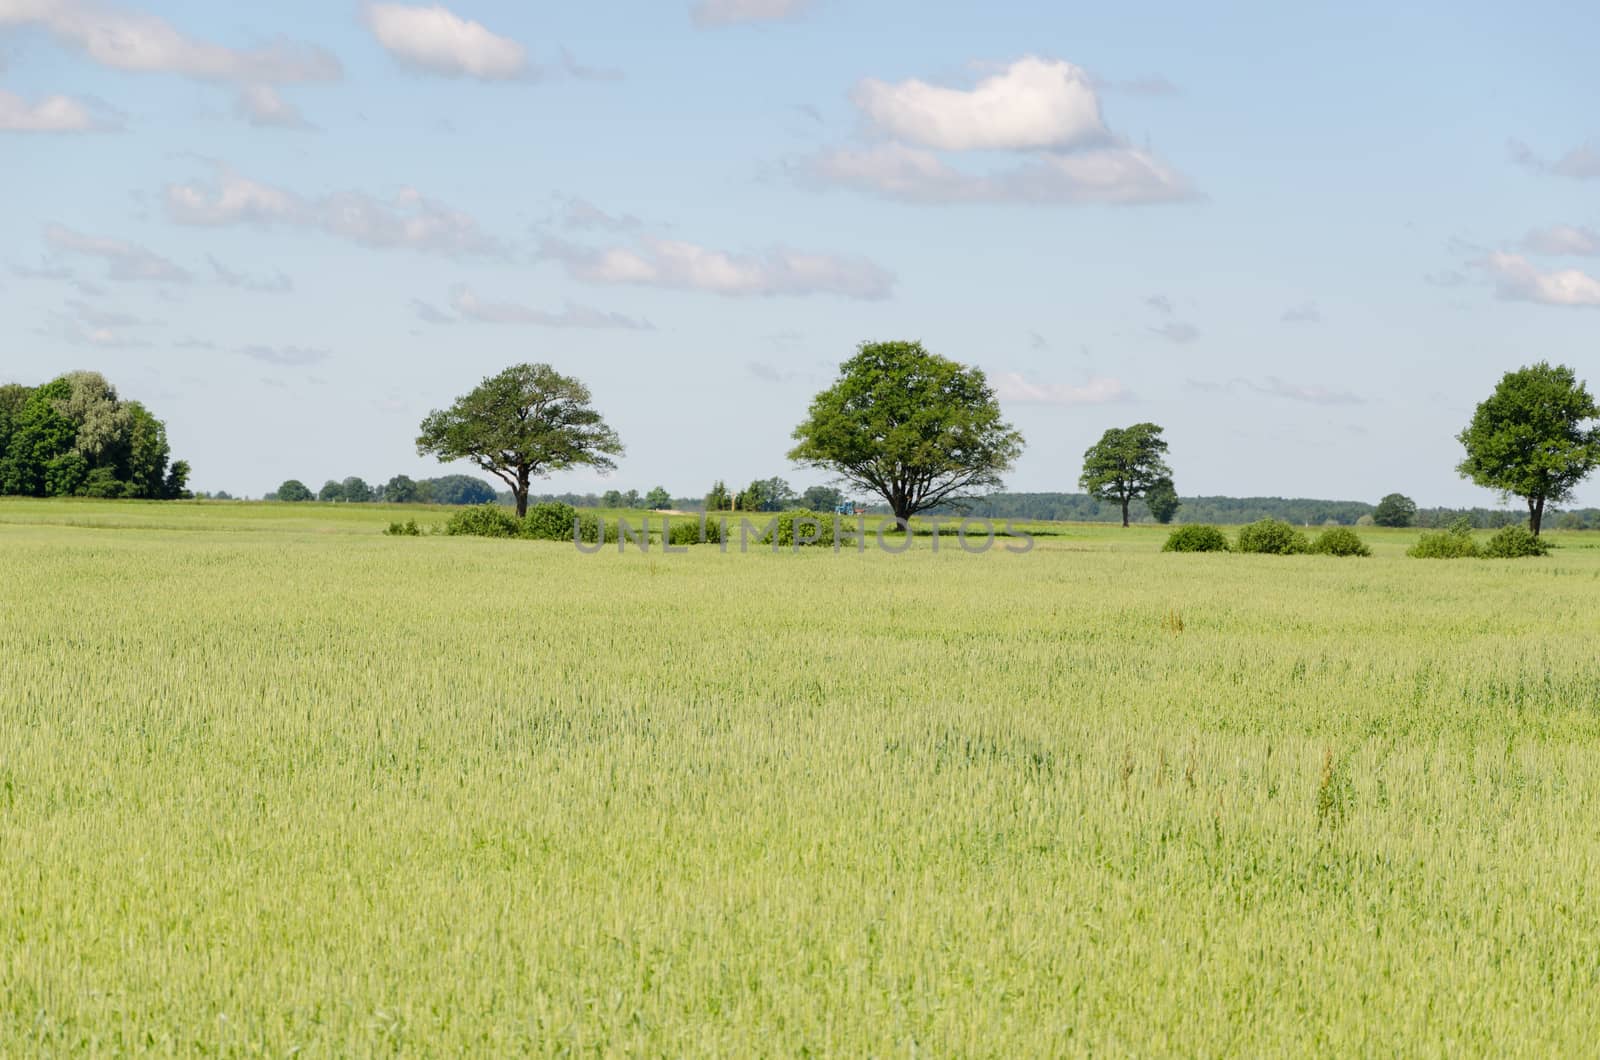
1340	541
688	533
821	526
1514	542
589	529
1196	537
1272	537
483	520
1455	543
408	528
549	522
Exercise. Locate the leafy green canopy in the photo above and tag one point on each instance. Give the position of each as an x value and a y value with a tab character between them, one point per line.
910	426
528	420
74	436
1125	464
1395	510
1529	440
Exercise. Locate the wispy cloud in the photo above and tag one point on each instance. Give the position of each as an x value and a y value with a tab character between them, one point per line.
1563	241
48	114
687	266
707	14
285	356
1580	163
572	315
125	261
278	283
1013	386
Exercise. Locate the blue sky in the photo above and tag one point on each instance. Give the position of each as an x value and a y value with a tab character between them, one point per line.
1307	243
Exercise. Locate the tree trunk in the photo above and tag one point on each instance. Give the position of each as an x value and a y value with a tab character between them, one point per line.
1125	513
1535	514
903	511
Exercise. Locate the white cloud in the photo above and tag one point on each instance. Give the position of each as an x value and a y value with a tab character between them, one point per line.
1013	386
410	221
1035	103
1311	393
1563	240
141	43
1517	280
436	39
581	215
686	266
1110	176
1580	163
285	356
572	315
278	284
261	105
124	261
708	13
50	114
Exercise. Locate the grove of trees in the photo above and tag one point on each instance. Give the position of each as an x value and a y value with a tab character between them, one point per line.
75	437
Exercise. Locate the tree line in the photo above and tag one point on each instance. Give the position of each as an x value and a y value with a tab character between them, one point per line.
401	489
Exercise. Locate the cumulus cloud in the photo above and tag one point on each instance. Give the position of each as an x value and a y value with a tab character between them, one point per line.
49	114
1034	103
434	39
1013	386
689	267
409	221
136	42
572	315
1518	280
1563	240
1580	163
1046	112
278	283
285	356
709	13
124	261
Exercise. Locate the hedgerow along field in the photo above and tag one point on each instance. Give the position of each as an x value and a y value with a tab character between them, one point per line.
272	782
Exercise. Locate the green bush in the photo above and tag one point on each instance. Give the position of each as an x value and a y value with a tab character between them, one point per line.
483	520
688	533
1455	543
1272	537
408	528
1196	537
792	522
549	522
1514	542
589	529
1340	541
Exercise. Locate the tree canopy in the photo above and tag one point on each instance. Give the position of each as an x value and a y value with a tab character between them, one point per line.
1529	438
74	436
528	420
1395	510
1126	464
914	428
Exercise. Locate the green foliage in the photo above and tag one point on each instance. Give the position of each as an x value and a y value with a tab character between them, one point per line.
589	529
75	436
331	491
1395	510
1162	500
483	520
1454	543
658	499
1197	537
1340	541
549	522
1514	542
693	533
401	490
295	491
1271	537
718	499
818	528
528	420
1529	440
909	426
455	490
821	499
356	490
1125	465
408	528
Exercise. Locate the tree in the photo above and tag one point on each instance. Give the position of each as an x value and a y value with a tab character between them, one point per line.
356	490
631	499
753	498
528	420
400	490
611	499
1395	510
75	436
1125	464
331	491
1529	440
658	499
295	491
455	490
718	500
1163	502
912	427
821	499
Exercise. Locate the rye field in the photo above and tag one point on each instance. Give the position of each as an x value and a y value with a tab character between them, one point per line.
272	783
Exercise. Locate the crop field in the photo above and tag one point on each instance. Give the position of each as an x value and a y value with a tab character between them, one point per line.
273	783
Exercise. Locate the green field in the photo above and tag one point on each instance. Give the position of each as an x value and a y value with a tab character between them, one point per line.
274	783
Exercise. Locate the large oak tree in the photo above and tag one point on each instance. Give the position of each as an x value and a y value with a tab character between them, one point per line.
1125	464
1529	440
529	420
915	428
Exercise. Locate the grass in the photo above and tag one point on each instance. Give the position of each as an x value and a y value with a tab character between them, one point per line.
271	782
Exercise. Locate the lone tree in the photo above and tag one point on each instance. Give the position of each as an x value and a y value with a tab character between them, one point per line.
1125	464
1528	439
528	420
1395	510
1163	501
294	491
915	428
